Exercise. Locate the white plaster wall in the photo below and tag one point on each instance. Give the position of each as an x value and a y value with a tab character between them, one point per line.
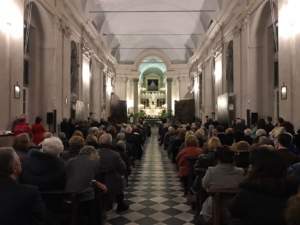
289	53
11	73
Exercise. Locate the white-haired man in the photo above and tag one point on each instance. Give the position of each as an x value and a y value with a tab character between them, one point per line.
44	168
20	204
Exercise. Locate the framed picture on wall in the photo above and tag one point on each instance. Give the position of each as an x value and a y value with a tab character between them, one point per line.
152	85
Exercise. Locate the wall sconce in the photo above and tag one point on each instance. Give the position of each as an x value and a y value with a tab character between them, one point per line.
17	91
283	92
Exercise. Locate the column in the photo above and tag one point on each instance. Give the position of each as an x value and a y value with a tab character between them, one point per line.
136	95
169	95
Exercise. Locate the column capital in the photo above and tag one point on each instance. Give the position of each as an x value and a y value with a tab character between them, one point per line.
169	80
135	80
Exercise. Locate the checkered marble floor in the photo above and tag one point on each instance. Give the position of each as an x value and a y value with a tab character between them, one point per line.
154	193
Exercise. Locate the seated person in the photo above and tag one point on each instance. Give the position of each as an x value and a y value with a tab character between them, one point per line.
81	173
263	195
282	144
292	213
44	168
191	150
242	154
22	145
112	169
20	204
80	177
222	176
76	142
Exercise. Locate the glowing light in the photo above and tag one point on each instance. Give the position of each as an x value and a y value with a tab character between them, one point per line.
196	85
129	104
218	68
11	19
289	24
222	102
109	88
86	73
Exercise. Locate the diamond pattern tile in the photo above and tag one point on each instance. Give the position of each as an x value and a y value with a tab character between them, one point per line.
154	192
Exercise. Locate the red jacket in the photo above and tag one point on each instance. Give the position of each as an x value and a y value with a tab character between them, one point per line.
182	159
21	127
37	133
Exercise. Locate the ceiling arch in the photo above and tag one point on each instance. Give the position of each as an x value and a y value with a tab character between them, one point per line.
180	32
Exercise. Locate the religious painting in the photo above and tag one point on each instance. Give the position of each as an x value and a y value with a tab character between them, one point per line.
152	85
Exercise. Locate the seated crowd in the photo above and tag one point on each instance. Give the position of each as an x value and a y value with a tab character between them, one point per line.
255	170
82	173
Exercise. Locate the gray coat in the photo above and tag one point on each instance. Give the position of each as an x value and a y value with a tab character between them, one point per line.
112	168
80	171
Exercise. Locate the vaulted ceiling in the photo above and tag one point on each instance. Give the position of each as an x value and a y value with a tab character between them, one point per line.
174	27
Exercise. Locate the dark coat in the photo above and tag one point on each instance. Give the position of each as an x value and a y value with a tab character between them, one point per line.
262	202
288	157
80	171
112	168
44	171
20	204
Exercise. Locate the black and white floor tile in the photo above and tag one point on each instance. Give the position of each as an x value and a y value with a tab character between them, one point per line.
154	193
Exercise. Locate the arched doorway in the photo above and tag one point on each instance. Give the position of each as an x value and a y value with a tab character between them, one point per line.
152	87
265	40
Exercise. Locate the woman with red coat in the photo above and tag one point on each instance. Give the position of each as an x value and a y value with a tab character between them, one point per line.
38	131
190	150
21	127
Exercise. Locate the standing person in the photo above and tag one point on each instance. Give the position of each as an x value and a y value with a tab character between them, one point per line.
21	127
38	131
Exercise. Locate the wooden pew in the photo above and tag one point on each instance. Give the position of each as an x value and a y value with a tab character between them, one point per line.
218	196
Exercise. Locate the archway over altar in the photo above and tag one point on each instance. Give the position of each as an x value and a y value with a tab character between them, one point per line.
152	86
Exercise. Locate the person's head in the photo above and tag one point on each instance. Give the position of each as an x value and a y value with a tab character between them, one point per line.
247	132
38	119
10	165
191	141
89	151
242	146
224	155
48	135
121	136
93	131
91	140
128	130
292	212
76	143
213	143
284	140
22	142
229	131
201	138
266	164
260	132
280	121
52	146
105	139
78	133
264	140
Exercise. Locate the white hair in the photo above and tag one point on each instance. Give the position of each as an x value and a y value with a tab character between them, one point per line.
260	132
53	146
105	139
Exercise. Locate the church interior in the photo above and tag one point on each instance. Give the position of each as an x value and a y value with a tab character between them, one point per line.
137	112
